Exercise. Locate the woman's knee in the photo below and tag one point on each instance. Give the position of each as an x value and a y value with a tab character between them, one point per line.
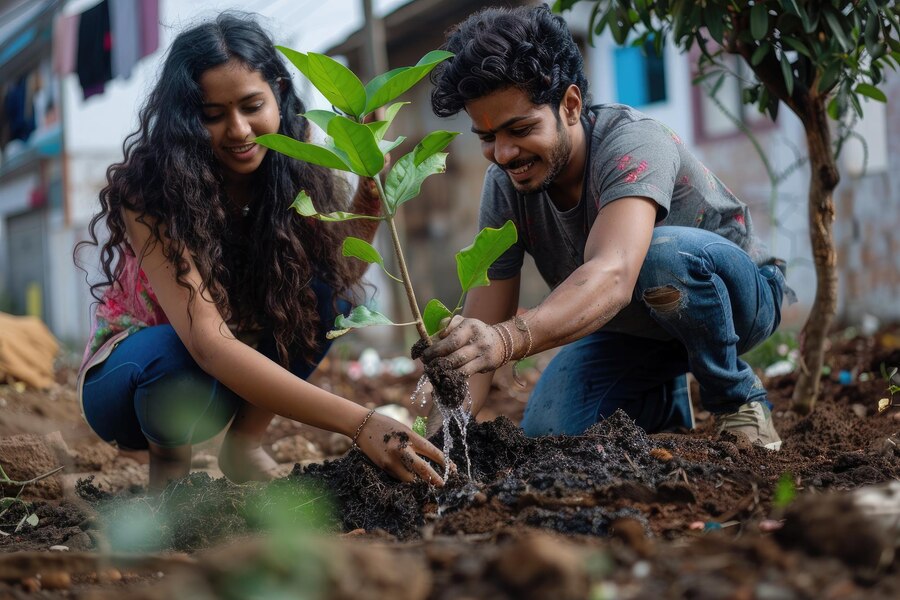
183	407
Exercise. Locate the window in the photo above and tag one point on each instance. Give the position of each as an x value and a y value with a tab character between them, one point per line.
640	75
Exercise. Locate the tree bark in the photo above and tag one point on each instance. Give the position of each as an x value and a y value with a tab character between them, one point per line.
824	179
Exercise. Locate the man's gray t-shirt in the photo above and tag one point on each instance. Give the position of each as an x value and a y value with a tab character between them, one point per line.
630	155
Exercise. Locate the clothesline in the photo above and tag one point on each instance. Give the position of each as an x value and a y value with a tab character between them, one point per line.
105	42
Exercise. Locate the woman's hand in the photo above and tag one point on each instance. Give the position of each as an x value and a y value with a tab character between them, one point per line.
398	450
471	346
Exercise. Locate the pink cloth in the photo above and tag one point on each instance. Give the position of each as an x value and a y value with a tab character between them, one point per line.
65	43
128	305
149	21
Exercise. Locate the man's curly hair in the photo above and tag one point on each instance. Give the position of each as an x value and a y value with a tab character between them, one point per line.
529	48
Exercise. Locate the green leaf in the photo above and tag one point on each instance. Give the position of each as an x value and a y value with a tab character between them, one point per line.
359	144
433	143
311	153
298	59
793	7
32	520
320	117
362	250
787	74
304	207
388	86
870	91
714	17
829	77
760	53
379	128
361	316
420	425
759	20
337	83
834	109
434	313
386	145
837	30
796	45
473	261
405	179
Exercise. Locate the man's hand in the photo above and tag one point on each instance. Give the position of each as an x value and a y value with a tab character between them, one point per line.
471	346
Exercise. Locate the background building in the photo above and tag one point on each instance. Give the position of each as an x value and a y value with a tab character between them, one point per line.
53	160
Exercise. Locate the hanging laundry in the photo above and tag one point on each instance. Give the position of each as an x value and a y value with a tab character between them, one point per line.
126	36
149	20
65	43
19	107
94	49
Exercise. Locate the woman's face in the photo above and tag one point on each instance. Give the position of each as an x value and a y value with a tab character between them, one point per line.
238	106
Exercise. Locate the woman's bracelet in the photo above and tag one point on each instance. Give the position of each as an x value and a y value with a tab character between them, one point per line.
360	428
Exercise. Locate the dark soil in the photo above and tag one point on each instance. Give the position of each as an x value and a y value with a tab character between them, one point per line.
653	516
452	387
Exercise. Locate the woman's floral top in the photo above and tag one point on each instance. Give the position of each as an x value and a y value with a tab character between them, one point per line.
128	305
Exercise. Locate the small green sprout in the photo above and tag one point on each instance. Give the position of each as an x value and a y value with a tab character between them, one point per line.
892	388
785	491
420	425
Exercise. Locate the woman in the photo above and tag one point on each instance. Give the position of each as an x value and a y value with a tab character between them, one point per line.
217	296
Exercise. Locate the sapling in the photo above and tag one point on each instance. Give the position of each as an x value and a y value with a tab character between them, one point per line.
7	503
892	388
352	144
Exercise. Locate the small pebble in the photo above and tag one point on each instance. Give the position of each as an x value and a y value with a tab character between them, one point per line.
56	580
31	585
661	454
641	569
696	525
768	525
110	575
160	574
59	548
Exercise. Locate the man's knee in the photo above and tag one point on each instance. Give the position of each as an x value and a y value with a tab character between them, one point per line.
663	299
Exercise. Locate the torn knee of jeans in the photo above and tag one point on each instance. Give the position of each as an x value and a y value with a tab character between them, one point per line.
663	299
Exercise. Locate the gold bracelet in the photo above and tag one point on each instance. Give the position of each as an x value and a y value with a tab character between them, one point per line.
360	428
503	341
510	349
521	325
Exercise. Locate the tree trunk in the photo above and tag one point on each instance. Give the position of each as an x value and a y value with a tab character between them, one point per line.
824	178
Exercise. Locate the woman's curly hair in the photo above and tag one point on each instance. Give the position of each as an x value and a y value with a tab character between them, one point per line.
257	269
529	48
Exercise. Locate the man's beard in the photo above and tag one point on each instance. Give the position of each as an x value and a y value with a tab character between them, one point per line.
557	160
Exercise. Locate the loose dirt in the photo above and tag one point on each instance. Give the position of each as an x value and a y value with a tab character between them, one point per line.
614	513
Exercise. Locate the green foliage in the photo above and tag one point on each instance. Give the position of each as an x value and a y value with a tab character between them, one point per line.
359	147
892	388
776	348
797	49
420	425
9	503
785	491
435	312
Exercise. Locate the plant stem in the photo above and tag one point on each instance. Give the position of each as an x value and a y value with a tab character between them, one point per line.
401	261
7	481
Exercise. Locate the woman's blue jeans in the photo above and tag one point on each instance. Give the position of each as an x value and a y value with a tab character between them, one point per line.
150	388
713	303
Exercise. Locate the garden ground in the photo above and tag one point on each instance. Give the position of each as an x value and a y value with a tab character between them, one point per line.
613	513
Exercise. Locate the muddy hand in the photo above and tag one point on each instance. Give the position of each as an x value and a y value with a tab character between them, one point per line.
398	450
471	346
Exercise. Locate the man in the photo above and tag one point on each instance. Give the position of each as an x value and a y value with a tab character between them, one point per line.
652	261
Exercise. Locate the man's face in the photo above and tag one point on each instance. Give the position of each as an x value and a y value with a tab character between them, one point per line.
529	142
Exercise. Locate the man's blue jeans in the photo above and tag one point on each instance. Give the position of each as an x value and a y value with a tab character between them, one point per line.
713	302
150	388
